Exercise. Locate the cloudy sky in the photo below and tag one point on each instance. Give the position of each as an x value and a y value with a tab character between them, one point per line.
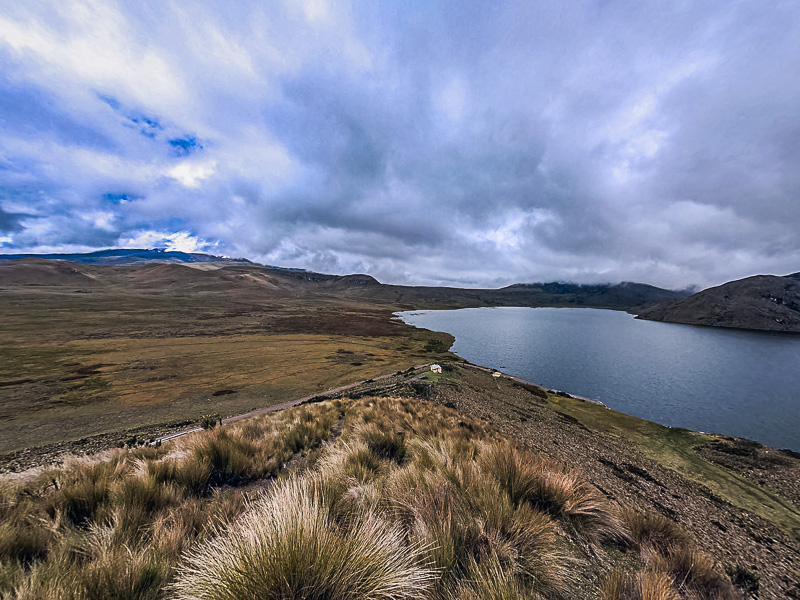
421	142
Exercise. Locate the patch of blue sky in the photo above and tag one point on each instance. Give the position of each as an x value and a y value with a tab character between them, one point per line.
183	146
148	126
173	224
117	199
112	102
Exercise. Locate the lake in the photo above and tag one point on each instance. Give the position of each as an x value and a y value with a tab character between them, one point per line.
740	383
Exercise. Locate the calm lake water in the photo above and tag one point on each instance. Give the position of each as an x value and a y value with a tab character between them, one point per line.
715	380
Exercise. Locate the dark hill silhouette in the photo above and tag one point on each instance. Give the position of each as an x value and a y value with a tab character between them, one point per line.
765	302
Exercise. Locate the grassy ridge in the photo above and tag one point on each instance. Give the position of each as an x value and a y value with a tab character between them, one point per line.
369	498
674	448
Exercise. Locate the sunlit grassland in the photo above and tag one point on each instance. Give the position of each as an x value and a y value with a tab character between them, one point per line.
674	448
79	365
157	380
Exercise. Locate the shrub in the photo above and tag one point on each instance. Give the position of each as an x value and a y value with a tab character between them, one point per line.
436	346
744	578
210	421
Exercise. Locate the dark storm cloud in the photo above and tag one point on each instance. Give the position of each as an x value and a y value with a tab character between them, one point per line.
423	142
9	222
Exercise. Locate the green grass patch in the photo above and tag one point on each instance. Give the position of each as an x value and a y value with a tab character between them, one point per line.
675	448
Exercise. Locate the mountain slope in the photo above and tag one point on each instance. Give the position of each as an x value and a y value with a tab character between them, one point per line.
765	302
157	271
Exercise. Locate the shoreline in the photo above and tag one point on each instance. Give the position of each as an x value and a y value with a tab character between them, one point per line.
640	399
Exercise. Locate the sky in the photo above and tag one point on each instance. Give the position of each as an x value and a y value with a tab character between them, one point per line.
457	143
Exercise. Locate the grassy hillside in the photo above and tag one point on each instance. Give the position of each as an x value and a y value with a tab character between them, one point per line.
378	498
115	351
519	493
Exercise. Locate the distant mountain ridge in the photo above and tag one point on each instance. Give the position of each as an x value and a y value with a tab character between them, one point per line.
764	302
161	270
129	256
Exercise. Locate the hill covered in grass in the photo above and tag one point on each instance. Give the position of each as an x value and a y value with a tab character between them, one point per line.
375	497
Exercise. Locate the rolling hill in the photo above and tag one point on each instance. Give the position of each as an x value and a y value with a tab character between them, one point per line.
159	271
765	302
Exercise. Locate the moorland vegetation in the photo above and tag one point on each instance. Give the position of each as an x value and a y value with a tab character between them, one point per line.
382	498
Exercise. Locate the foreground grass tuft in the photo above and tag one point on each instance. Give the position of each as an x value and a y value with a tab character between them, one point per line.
288	546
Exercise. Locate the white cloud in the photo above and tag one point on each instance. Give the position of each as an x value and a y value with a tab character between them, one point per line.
191	173
95	46
181	241
427	142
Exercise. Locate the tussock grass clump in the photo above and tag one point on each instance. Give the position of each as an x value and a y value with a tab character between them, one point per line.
228	458
24	534
289	547
308	428
83	491
550	487
669	553
652	531
448	503
488	580
648	584
386	444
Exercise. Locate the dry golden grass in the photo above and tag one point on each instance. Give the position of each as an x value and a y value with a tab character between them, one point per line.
531	479
288	546
387	498
670	556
